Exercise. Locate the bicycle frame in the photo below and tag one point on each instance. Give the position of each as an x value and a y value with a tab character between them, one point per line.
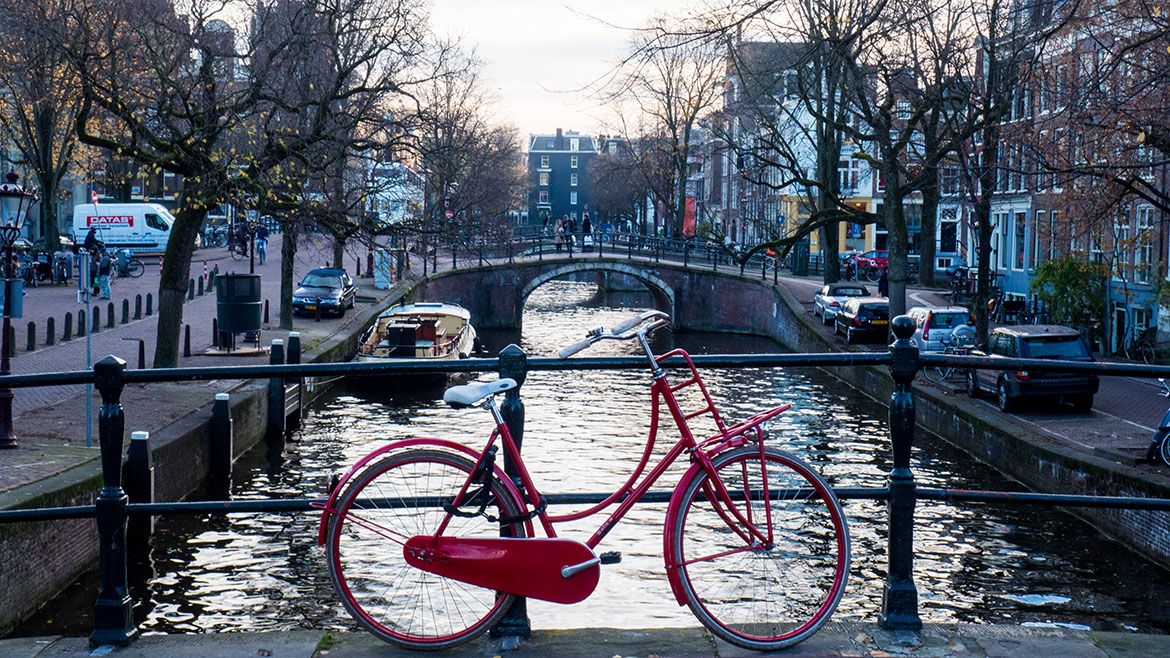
753	532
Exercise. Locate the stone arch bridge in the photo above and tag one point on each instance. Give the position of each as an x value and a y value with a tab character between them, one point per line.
696	299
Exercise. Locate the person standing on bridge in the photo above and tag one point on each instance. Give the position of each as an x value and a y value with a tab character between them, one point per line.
570	229
559	232
586	231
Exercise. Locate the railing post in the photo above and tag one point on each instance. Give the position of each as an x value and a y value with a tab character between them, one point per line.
514	364
113	618
139	476
275	431
222	444
900	596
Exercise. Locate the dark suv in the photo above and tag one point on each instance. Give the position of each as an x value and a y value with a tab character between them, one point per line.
1034	342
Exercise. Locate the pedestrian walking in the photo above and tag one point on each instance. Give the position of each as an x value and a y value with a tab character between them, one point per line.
105	266
559	233
262	242
883	285
586	231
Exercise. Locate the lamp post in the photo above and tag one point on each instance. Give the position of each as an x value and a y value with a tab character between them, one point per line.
15	202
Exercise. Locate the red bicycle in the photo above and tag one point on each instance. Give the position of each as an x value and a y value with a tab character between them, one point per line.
429	542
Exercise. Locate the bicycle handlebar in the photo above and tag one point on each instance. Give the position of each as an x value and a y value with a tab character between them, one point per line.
620	331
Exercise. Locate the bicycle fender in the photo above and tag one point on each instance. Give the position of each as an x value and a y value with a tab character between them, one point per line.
398	445
668	537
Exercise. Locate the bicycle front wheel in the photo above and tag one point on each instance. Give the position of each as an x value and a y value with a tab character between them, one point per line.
135	268
761	593
386	504
937	373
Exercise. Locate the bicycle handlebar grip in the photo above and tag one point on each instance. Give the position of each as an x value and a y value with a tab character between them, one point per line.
573	349
622	327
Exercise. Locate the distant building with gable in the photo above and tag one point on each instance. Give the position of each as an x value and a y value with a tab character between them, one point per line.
558	173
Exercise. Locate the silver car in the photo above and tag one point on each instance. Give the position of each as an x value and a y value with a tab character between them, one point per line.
833	296
934	325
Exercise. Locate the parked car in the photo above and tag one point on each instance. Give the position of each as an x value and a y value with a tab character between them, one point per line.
878	258
934	326
863	317
829	299
333	289
1043	341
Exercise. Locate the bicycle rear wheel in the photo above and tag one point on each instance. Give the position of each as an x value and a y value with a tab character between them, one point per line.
135	268
376	514
776	592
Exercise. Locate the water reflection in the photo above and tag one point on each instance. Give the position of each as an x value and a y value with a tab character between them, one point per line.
974	563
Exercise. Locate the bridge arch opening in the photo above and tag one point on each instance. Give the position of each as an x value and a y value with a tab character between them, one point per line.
661	292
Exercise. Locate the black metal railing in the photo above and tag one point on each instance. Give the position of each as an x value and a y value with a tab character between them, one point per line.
113	622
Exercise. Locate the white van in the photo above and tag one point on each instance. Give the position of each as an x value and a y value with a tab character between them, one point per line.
139	227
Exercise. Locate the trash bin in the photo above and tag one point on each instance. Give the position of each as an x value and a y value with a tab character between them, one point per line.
239	306
800	258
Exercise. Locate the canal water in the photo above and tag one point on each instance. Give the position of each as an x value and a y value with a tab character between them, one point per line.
974	563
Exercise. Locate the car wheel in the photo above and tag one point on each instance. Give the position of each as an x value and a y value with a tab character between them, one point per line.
972	384
1003	400
1082	403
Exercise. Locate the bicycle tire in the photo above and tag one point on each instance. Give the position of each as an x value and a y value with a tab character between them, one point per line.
394	601
737	598
873	274
937	373
1146	352
238	255
135	268
1163	452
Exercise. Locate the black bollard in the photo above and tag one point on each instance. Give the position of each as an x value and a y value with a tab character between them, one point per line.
138	307
113	615
222	448
186	340
141	354
51	331
514	364
109	315
139	476
214	332
275	430
31	345
265	311
149	304
125	311
199	287
190	289
900	596
317	313
96	323
69	323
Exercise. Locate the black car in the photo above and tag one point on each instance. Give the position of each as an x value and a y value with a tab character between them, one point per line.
332	289
1042	341
863	317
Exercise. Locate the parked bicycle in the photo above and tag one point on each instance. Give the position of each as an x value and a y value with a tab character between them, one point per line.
126	265
429	542
1141	347
960	343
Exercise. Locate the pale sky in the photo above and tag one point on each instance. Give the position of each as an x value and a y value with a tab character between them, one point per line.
534	49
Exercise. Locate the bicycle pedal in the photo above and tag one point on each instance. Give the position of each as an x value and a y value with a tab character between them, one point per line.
612	557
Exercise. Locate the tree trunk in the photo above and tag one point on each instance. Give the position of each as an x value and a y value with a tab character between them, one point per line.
926	242
175	275
288	253
338	253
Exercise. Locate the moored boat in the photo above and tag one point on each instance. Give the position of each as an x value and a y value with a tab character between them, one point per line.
421	331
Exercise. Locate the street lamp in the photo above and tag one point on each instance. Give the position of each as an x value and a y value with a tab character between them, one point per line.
15	202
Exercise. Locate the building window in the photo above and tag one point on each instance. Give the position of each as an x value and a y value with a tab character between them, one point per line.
573	198
573	180
573	162
544	161
1021	245
1145	244
850	172
574	144
1039	253
948	231
544	178
949	180
904	110
573	215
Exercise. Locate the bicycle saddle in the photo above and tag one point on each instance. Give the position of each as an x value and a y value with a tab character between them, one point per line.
471	394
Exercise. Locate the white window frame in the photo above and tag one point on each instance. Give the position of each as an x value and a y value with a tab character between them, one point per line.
573	180
573	162
573	198
1019	241
544	161
544	178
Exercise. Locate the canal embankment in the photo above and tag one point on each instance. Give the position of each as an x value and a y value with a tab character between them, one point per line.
55	468
834	639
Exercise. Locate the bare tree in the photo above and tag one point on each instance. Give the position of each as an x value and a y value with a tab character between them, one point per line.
180	93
